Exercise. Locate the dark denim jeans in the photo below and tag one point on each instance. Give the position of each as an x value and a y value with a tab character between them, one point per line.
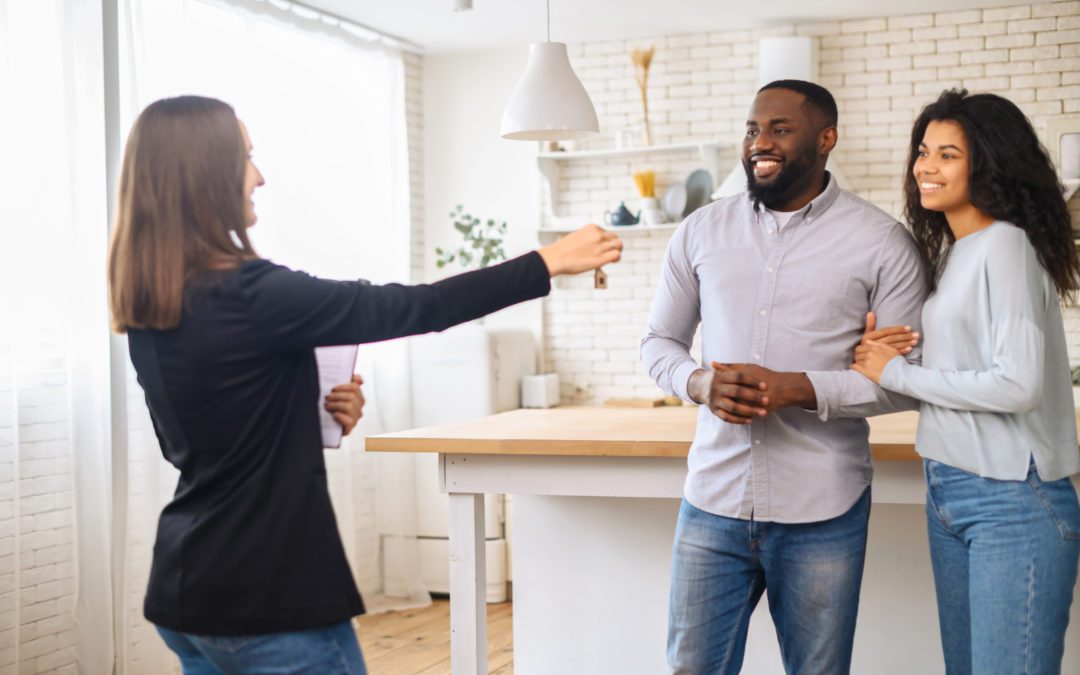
811	571
322	651
1005	560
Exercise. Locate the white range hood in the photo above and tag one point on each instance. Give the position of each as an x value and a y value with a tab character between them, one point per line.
780	58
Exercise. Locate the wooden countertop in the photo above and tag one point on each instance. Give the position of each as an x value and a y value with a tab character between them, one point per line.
615	432
623	432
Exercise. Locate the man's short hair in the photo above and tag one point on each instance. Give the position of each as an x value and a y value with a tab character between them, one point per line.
817	97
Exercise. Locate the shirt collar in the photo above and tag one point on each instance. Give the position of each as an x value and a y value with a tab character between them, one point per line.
818	205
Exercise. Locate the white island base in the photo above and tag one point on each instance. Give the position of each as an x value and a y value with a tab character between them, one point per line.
596	494
591	573
591	584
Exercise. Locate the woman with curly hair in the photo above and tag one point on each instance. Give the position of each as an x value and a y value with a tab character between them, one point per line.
996	430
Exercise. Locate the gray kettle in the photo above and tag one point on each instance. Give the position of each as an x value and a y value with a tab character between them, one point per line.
621	216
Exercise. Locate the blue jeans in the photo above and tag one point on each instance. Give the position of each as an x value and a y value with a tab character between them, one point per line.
720	568
321	651
1005	559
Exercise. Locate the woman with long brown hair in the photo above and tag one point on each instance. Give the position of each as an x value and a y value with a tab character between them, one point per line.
248	573
997	430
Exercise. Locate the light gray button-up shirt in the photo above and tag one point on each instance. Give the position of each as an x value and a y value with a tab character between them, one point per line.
790	299
994	380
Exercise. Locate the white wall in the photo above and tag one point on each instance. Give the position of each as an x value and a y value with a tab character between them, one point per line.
467	162
880	70
1030	52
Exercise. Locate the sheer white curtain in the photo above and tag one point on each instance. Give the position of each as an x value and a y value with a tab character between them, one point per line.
325	113
55	586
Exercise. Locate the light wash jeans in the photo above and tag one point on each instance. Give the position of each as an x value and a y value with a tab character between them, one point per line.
1005	560
322	651
811	571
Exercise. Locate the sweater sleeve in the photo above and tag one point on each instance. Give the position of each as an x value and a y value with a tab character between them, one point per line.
293	310
1012	381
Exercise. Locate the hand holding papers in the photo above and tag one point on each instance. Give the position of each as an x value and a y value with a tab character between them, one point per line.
336	366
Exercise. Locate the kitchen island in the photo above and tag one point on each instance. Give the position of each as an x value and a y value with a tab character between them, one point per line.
596	495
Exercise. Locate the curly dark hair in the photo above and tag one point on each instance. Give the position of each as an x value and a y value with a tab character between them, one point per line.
1010	178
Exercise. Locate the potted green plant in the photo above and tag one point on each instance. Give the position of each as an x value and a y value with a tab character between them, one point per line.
482	241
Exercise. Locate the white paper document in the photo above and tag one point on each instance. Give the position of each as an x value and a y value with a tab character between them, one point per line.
336	366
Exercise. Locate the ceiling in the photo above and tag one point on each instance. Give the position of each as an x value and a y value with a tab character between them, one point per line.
434	25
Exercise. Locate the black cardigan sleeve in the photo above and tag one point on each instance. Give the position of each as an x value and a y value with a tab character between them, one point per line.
293	310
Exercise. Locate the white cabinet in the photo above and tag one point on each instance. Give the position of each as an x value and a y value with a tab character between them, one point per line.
463	373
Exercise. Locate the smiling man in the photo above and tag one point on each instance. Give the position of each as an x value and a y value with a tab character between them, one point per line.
781	279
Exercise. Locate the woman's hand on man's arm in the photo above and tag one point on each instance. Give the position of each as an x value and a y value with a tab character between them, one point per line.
900	338
878	346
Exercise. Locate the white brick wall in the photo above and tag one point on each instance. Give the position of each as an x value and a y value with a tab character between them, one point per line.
414	118
881	71
36	519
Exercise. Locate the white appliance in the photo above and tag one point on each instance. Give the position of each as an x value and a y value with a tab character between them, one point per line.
463	373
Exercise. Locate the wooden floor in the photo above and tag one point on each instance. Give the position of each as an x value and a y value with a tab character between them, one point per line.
417	641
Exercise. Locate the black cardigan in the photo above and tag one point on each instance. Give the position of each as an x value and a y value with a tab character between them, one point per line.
249	544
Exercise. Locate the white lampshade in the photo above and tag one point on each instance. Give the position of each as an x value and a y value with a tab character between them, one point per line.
787	58
549	103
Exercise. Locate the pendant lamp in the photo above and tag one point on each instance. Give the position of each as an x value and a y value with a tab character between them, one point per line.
549	103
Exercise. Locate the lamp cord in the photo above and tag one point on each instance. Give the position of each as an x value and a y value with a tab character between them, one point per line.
549	20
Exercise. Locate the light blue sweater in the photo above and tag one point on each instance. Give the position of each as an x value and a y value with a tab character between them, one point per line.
994	379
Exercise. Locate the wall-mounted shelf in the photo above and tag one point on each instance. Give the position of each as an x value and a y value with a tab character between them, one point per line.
711	153
621	229
1071	187
628	152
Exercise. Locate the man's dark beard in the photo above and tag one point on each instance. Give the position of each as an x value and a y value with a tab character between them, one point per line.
791	172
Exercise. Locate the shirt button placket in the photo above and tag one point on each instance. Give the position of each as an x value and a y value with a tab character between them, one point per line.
759	341
758	451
